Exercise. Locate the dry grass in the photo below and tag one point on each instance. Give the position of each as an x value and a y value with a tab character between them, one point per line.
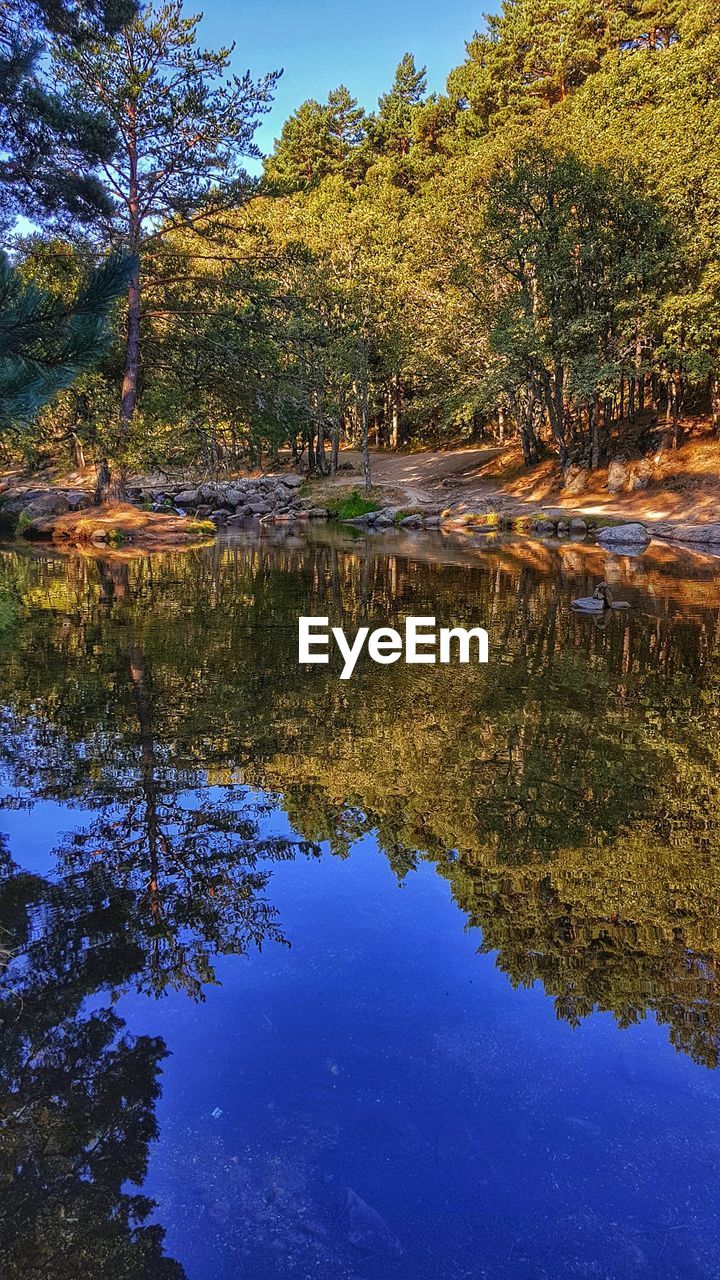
117	524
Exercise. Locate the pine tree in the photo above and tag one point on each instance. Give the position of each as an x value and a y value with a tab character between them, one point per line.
50	146
183	127
393	126
46	341
316	140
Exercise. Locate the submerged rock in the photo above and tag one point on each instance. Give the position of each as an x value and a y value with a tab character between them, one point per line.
366	1229
624	535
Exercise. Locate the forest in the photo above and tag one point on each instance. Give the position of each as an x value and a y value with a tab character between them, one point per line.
532	255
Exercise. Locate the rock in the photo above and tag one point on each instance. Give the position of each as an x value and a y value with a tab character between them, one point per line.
243	511
624	535
366	1229
292	481
412	522
619	476
46	504
563	528
203	512
642	476
259	508
77	498
432	522
543	527
188	498
318	513
576	479
361	521
707	534
383	521
578	527
219	517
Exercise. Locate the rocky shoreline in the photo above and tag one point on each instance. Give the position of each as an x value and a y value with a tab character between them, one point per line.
31	511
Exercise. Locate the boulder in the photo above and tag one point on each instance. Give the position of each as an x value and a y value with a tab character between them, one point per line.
203	511
46	504
619	476
318	513
361	521
707	534
578	527
187	498
259	508
383	521
563	528
219	516
624	535
77	498
576	479
642	476
432	522
412	522
545	528
292	481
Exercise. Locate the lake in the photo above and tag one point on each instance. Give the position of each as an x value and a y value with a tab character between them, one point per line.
404	977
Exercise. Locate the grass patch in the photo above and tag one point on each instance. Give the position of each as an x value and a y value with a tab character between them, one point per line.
204	527
350	505
482	520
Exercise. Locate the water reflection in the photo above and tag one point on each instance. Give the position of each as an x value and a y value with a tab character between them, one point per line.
568	794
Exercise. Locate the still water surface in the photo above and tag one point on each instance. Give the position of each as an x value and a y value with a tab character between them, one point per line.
400	978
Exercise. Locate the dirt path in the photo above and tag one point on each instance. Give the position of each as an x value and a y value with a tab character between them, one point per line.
686	487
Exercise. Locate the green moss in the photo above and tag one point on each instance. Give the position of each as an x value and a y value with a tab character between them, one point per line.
204	527
350	505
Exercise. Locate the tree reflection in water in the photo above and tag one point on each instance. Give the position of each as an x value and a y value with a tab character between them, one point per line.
569	794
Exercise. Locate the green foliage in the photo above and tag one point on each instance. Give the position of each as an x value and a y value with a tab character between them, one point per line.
47	341
348	506
534	253
51	145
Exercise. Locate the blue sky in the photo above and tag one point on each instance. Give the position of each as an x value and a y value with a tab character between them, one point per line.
323	43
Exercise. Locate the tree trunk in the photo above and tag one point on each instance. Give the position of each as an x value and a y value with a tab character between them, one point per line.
395	405
595	449
364	426
334	446
715	402
78	453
